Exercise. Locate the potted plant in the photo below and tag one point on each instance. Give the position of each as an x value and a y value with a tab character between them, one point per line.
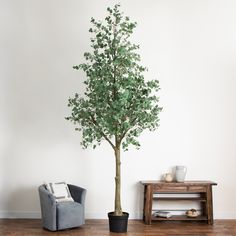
118	103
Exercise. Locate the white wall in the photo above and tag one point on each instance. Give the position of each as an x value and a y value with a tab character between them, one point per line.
190	46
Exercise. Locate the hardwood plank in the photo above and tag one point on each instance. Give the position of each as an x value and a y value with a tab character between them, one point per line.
28	227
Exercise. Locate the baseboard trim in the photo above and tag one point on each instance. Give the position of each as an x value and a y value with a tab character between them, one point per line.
37	215
94	215
222	215
20	214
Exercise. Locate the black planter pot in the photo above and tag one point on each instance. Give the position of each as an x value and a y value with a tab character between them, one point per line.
118	224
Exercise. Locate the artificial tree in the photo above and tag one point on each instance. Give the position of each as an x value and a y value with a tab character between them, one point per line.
118	103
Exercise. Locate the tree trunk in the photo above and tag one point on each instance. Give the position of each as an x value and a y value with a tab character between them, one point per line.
118	209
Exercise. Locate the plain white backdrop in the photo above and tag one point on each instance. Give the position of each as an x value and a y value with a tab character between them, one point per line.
190	46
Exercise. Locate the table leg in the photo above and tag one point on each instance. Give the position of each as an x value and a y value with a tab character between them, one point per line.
148	204
209	206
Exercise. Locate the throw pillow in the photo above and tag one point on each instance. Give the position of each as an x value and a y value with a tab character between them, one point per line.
60	191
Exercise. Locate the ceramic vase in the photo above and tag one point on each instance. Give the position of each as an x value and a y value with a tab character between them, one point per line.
180	173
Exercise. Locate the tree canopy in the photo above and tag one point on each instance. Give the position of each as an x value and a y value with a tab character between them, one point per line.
118	103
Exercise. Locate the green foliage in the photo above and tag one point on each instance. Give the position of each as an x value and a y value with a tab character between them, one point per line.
118	103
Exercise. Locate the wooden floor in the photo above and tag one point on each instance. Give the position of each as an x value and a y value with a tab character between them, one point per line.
13	227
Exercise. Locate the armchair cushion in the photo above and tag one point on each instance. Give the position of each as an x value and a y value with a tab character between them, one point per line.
69	215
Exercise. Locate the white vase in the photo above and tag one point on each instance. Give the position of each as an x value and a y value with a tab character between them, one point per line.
180	173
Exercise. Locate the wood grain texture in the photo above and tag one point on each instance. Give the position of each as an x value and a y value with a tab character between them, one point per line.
209	205
148	204
27	227
187	183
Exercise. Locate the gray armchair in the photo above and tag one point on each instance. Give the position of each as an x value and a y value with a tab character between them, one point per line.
62	215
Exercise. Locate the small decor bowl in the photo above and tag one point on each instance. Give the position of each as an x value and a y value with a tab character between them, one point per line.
192	213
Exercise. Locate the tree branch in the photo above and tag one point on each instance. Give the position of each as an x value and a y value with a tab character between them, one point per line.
126	131
103	134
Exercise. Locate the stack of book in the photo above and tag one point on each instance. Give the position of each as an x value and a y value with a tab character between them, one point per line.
164	214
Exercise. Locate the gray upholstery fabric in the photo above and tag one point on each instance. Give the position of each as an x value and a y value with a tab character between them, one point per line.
69	215
62	215
48	209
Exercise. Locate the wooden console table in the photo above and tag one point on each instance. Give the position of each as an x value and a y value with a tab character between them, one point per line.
202	188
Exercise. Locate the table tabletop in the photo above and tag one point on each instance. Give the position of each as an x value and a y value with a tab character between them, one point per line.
185	183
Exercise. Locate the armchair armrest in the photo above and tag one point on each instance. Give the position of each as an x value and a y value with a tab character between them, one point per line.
77	193
48	208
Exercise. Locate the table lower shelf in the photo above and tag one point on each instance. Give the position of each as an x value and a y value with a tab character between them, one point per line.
179	217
